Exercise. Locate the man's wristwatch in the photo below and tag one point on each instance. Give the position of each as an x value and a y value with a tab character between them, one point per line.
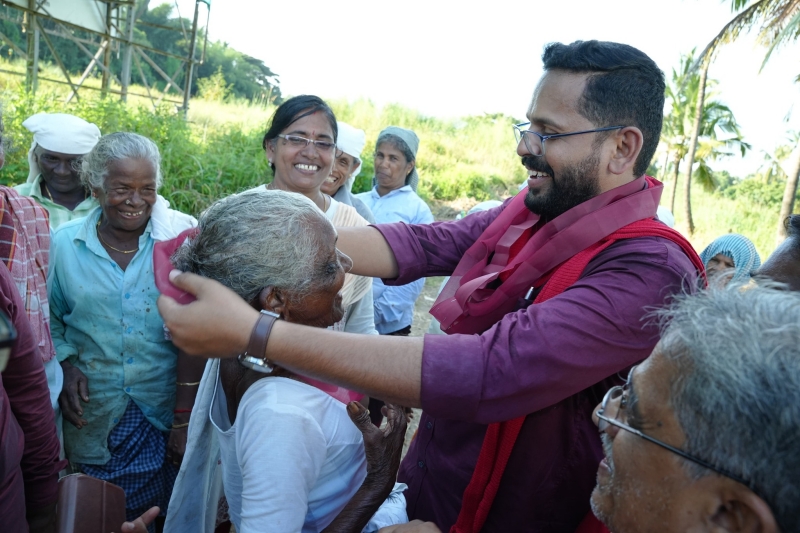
254	358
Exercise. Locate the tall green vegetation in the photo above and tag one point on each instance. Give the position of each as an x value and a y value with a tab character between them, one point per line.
698	129
162	29
218	150
718	133
777	23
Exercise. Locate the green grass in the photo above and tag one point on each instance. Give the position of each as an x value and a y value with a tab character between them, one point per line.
715	215
218	152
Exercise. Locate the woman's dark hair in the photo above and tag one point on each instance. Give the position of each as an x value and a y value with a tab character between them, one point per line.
625	88
397	143
293	110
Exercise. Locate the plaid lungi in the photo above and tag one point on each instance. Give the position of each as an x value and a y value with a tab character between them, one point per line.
138	463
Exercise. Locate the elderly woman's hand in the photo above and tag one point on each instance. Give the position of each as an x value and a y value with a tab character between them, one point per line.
140	524
217	324
176	445
382	446
75	390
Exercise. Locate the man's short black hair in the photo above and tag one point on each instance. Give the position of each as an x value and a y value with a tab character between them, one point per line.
626	88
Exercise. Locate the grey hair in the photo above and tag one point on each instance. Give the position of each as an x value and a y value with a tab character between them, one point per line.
736	395
252	240
116	147
397	143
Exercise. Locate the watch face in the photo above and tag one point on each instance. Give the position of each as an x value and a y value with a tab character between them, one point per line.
7	337
254	363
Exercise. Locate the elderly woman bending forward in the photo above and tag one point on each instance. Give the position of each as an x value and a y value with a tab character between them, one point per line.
290	456
120	371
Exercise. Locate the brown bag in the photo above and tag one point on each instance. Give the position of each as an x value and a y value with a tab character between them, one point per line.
89	505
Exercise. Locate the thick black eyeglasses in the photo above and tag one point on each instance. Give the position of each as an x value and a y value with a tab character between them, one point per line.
534	141
619	392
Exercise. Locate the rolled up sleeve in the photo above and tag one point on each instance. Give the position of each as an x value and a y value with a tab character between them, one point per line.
423	250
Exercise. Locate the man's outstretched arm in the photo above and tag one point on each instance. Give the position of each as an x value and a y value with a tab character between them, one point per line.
369	251
219	322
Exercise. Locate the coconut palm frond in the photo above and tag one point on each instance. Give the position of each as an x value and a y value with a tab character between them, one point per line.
741	22
790	31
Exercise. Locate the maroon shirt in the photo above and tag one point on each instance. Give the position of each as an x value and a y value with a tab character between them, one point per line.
552	361
29	446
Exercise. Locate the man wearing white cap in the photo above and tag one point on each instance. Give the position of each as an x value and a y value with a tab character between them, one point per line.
339	185
59	141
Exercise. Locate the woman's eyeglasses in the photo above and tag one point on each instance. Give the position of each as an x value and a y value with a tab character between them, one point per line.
295	141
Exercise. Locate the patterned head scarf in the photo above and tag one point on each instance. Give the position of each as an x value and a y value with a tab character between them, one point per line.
412	142
740	249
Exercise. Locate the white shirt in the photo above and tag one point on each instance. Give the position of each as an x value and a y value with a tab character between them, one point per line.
292	459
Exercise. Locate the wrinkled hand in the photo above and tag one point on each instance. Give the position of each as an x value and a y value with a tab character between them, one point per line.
383	447
76	385
140	524
415	526
217	324
176	445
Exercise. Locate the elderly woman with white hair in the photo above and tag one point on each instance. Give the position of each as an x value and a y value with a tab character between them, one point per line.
108	334
290	457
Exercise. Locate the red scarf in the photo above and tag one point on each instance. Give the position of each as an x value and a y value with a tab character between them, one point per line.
501	437
467	304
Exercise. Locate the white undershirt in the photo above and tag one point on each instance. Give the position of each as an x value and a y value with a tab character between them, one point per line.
292	459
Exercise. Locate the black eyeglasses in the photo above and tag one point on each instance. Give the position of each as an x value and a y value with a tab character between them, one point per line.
534	141
604	421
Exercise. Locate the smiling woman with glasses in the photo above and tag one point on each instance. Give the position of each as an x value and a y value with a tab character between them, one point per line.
300	146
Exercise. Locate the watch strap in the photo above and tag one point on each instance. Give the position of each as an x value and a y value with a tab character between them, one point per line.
254	357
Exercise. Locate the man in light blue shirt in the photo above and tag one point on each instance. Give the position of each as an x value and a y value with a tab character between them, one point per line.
393	199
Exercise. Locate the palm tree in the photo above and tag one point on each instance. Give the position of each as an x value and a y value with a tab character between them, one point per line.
693	125
778	23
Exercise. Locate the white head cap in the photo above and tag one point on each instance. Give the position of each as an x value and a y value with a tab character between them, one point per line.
59	132
351	141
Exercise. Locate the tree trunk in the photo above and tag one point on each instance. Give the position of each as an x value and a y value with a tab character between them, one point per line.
676	164
687	185
789	193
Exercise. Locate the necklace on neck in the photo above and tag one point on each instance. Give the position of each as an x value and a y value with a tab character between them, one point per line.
115	249
47	191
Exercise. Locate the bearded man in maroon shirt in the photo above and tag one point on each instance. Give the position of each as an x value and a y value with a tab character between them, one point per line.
544	310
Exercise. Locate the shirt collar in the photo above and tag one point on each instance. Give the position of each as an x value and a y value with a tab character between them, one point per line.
36	192
404	188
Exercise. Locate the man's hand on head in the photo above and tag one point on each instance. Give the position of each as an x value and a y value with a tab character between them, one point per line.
217	324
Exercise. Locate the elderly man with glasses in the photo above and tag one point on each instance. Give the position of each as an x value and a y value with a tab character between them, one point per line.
703	435
544	307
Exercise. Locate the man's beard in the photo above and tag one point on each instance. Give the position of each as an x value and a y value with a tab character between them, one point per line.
573	186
